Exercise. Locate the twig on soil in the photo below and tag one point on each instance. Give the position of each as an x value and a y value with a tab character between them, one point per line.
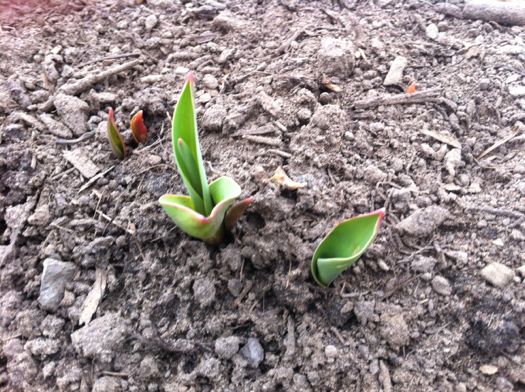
451	141
282	154
339	336
112	221
398	286
113	57
245	290
86	82
85	136
114	374
63	173
263	140
499	144
427	96
496	211
94	179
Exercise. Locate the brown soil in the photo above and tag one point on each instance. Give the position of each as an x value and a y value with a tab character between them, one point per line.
414	314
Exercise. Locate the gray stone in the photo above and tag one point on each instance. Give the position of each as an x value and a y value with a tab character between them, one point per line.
148	367
53	283
213	118
101	338
432	31
517	90
55	127
452	160
73	111
150	22
395	73
331	352
227	347
253	352
394	329
336	57
204	292
210	82
226	21
423	222
374	175
364	311
497	274
107	384
423	264
41	347
441	286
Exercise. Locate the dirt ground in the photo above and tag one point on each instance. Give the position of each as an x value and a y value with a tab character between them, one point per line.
437	303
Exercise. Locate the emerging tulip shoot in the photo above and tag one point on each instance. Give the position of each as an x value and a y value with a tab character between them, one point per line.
210	209
344	245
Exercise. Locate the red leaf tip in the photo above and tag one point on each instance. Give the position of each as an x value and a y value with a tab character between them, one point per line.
190	77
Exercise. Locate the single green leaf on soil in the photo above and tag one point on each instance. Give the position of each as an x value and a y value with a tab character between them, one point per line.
344	245
210	229
188	154
138	129
115	138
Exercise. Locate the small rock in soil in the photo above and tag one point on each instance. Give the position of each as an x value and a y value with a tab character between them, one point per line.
374	175
78	158
432	31
55	127
150	22
364	311
41	347
394	329
395	73
204	292
441	285
21	368
227	347
331	352
226	21
101	338
423	264
424	221
210	82
73	111
452	161
53	283
213	118
253	352
234	287
148	367
107	384
336	57
517	91
497	274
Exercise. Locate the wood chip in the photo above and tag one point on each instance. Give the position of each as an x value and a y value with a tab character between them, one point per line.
94	297
281	179
78	158
447	139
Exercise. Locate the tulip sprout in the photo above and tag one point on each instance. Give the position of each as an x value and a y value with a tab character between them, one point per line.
344	245
210	209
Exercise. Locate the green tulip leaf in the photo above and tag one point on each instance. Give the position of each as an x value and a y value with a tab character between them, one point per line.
224	191
207	212
188	154
344	245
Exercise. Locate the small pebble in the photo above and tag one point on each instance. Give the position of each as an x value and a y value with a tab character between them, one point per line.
330	351
441	286
432	31
497	274
325	98
253	352
150	22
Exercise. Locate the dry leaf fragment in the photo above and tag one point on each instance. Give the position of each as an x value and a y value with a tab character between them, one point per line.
94	296
331	86
281	179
